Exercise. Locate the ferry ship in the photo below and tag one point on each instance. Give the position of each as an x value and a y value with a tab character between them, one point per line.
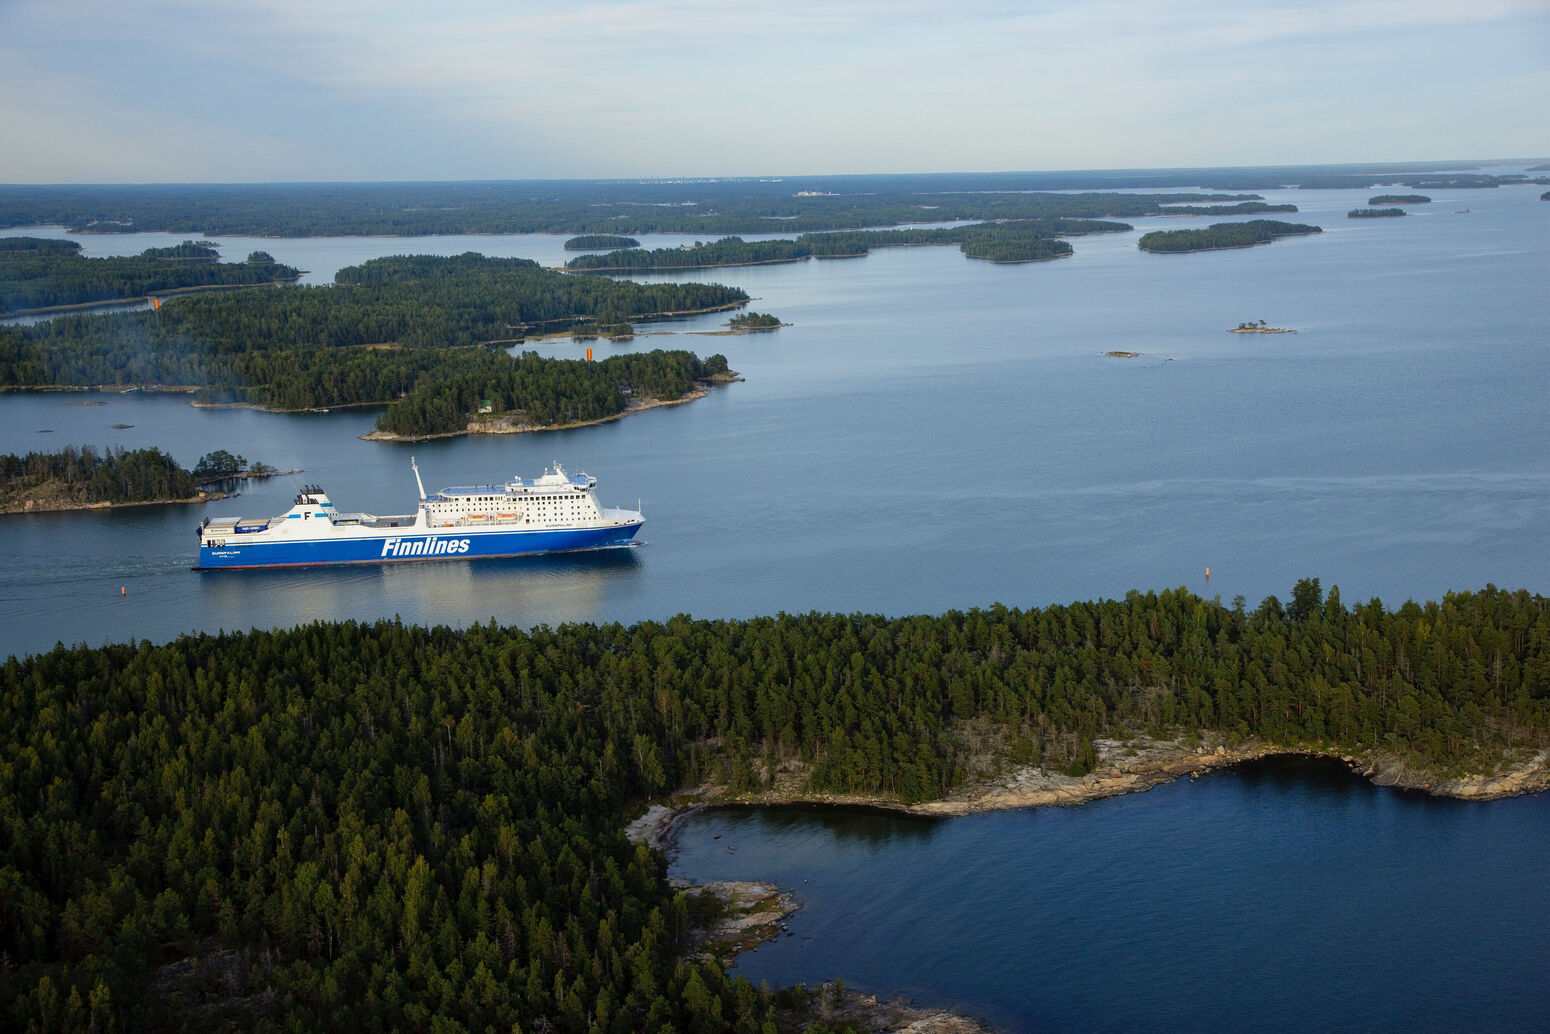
554	513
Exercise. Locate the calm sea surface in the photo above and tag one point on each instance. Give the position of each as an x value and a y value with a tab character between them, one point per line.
935	432
1283	896
932	432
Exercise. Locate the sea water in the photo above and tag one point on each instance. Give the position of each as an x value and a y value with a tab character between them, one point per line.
1288	895
931	432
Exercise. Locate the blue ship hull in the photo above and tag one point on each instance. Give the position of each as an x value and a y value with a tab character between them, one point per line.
403	545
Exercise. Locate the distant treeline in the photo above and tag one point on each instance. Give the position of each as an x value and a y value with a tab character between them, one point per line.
36	273
728	251
579	207
84	476
380	828
1242	208
600	242
1016	241
1269	180
386	326
1223	235
1399	199
1375	213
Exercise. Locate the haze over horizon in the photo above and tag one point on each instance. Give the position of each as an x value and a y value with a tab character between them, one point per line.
345	90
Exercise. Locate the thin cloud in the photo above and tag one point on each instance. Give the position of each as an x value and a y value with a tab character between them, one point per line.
355	89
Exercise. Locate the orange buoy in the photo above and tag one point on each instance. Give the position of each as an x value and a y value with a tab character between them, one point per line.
123	590
1208	574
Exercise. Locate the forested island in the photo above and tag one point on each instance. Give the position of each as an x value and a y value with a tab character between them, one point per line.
40	274
380	827
221	465
487	392
1374	213
755	321
406	332
1399	199
1222	235
82	478
1027	240
600	242
728	251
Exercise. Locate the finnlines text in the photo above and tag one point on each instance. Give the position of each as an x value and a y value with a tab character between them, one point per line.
432	546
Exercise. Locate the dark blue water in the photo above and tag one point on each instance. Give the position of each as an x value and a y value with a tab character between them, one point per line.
1287	895
932	432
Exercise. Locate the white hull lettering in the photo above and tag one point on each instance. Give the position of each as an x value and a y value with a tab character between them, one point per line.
433	546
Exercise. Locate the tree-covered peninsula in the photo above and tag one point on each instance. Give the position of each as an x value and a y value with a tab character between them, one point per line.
78	479
600	242
405	331
1399	199
82	478
376	827
38	273
1375	213
1222	235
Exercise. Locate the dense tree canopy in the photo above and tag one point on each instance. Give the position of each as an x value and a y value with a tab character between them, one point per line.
600	242
541	391
755	321
219	464
592	208
1222	235
374	827
1023	240
84	476
37	273
392	331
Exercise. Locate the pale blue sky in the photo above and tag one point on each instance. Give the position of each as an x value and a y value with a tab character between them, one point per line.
250	90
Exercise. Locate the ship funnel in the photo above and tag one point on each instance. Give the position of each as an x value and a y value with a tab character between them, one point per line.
416	468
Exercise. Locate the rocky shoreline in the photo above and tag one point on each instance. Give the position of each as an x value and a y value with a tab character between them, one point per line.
756	912
1124	766
47	506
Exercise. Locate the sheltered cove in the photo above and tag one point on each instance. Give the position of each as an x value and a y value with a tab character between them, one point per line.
758	910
